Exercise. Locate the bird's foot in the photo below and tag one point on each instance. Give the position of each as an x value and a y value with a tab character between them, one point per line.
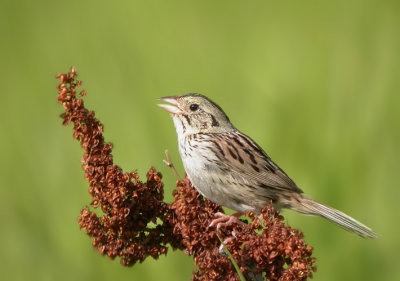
227	240
225	220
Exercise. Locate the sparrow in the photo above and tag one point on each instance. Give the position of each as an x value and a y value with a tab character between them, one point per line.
230	169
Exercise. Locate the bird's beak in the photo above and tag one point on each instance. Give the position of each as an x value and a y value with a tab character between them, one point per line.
174	108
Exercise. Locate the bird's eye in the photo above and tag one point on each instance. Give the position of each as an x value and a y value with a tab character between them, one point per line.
194	106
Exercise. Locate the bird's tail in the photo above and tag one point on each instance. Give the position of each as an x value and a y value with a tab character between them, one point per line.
308	206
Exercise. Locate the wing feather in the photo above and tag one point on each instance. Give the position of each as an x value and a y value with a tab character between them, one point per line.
248	161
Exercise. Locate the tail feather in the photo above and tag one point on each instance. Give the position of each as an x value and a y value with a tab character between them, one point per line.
309	206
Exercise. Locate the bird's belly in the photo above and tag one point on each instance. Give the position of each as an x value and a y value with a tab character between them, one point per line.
216	185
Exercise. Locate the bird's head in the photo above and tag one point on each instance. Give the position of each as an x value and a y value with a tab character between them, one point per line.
195	113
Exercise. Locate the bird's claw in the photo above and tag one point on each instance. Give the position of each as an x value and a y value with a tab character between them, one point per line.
224	220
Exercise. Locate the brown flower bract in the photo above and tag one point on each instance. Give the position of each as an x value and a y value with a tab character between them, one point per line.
136	223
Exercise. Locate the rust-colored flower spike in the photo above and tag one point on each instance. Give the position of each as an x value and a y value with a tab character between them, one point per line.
129	206
136	223
279	251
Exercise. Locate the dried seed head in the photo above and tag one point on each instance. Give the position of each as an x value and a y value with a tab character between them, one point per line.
263	247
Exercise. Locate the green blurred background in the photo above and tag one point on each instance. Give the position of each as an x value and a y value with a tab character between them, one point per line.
315	83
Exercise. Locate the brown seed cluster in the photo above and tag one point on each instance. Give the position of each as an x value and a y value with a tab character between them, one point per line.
135	223
128	227
263	248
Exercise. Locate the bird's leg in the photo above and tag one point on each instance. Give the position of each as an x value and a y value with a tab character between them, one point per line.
168	162
225	220
227	240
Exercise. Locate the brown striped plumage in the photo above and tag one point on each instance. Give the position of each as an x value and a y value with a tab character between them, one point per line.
230	169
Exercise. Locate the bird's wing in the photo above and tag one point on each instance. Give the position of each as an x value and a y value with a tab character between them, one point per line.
251	164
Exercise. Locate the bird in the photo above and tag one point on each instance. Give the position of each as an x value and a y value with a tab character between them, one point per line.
230	169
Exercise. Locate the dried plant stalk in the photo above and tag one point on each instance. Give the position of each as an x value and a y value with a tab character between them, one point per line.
136	223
